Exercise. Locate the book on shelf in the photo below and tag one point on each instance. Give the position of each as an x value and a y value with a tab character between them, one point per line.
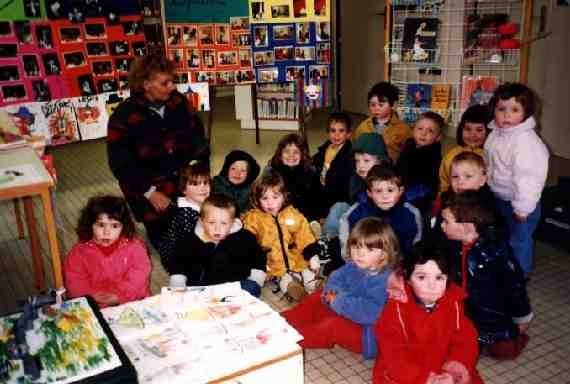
277	108
420	39
418	96
440	95
482	35
477	90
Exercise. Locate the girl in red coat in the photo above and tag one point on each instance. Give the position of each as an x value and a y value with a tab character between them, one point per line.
109	262
426	339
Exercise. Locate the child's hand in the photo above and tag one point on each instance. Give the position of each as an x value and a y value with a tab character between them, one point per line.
458	371
444	378
519	218
329	297
159	201
523	328
395	287
315	264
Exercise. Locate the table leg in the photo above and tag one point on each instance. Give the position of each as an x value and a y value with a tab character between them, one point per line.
34	244
52	238
19	222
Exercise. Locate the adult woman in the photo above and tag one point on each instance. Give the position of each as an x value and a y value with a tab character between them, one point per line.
151	135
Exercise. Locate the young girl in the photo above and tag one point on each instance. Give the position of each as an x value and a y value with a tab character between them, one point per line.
195	186
345	311
471	134
284	232
292	161
517	161
426	339
109	262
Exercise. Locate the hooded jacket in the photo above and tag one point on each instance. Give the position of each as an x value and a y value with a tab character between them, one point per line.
336	187
284	237
517	165
395	134
240	193
414	342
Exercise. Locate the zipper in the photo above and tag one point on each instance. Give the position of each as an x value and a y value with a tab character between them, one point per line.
283	251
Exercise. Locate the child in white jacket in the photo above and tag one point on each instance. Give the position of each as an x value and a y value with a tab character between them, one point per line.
517	161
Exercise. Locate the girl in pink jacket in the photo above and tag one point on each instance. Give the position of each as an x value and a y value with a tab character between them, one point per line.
517	166
109	262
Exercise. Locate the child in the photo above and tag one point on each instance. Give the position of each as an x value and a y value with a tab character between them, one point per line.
517	161
219	250
420	160
369	150
482	262
345	311
334	160
471	134
195	186
284	232
109	262
383	120
426	339
292	161
384	192
234	180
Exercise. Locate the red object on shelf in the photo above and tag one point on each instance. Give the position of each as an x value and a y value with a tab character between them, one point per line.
509	44
508	29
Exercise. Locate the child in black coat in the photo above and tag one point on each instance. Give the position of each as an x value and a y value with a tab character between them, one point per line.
220	250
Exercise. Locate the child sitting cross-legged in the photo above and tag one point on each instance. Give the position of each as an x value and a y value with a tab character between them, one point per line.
219	250
482	262
420	160
284	233
195	186
384	200
426	339
345	311
109	263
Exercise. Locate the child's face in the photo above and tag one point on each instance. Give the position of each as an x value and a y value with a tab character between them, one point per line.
291	155
385	194
197	191
474	134
466	176
272	201
338	134
428	282
106	230
367	258
237	173
364	162
379	109
508	113
217	223
426	132
454	230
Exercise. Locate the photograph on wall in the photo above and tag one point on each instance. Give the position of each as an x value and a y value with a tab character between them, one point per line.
14	92
206	34
305	53
97	49
241	39
31	66
420	39
295	72
9	73
95	31
222	34
177	56
323	53
321	7
40	91
190	35
263	58
227	58
303	35
208	59
74	59
102	68
44	36
323	32
284	53
245	57
51	64
193	58
86	85
131	28
268	75
283	32
70	35
174	34
119	48
23	31
239	23
258	10
107	85
280	11
299	8
260	37
245	76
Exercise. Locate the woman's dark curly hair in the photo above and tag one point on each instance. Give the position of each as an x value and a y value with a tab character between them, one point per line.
113	206
143	68
297	140
475	114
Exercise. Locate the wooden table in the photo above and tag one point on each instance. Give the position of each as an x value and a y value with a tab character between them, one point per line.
31	179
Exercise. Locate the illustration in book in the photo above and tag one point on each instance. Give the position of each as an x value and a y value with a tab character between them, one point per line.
418	96
420	39
477	90
440	95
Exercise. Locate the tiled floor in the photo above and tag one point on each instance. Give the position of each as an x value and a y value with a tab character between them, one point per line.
83	172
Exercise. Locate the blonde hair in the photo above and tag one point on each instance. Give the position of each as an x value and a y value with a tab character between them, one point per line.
470	158
372	232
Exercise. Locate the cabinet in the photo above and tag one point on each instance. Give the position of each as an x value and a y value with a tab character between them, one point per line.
445	54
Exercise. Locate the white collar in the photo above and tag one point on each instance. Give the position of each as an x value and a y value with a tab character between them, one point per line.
183	202
526	125
199	229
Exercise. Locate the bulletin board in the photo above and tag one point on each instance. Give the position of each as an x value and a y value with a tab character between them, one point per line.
204	11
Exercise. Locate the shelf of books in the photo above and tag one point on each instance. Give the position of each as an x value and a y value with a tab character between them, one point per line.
445	55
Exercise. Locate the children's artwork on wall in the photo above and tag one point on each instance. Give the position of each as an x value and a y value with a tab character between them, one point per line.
61	121
203	11
198	95
92	118
282	11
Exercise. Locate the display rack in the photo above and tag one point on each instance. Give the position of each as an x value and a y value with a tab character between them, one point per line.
434	45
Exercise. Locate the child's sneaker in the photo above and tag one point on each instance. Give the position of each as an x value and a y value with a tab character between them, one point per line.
296	291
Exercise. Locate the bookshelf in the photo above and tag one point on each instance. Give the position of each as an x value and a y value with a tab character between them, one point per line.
439	53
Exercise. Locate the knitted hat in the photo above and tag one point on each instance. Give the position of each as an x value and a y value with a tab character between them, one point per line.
371	143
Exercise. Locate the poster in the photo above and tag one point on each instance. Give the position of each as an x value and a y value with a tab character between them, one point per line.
282	11
22	10
204	11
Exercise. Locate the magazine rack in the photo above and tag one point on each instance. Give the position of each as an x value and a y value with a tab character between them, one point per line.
439	51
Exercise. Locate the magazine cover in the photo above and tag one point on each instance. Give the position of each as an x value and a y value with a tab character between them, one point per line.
420	39
440	95
477	90
481	34
418	96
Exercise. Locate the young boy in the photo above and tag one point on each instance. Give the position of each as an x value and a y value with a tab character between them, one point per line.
383	120
334	161
482	263
220	250
234	180
420	160
384	192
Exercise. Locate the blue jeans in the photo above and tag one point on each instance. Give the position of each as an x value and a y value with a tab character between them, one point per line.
331	225
250	286
520	233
